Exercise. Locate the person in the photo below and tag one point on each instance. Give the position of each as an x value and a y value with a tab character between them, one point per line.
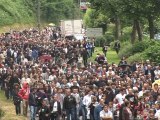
69	105
16	99
105	49
55	108
126	112
7	87
24	94
117	46
85	55
33	103
98	109
106	114
44	111
151	115
86	102
92	106
77	97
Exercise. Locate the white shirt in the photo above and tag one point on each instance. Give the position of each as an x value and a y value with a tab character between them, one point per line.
140	94
108	73
157	115
87	100
108	114
119	97
55	107
157	73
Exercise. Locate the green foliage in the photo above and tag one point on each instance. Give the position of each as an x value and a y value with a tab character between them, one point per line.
112	45
140	46
24	11
100	42
140	51
89	18
15	11
109	37
139	57
54	10
126	50
153	53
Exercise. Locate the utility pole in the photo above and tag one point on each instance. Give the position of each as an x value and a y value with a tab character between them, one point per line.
38	15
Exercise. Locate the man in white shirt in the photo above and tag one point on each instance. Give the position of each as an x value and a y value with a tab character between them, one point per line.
106	114
121	96
55	108
87	101
110	72
157	73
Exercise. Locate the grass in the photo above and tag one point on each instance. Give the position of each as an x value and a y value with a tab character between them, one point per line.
8	108
111	55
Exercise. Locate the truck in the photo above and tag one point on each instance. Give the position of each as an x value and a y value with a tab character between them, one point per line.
71	27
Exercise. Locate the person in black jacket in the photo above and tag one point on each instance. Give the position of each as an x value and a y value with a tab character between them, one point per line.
69	105
85	55
55	108
33	103
16	99
44	111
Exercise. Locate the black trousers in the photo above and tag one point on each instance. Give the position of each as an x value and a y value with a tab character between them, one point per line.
7	93
54	116
18	108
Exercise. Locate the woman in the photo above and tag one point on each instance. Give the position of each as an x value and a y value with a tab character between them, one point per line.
126	112
16	99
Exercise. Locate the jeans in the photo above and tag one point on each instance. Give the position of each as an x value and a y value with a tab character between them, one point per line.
71	112
33	111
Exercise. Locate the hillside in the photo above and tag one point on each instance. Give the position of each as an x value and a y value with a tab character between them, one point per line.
24	11
16	11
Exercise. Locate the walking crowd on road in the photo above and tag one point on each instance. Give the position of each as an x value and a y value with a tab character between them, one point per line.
50	78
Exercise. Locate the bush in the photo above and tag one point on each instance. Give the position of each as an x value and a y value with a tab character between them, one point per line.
139	57
125	51
140	46
109	37
153	53
112	45
100	41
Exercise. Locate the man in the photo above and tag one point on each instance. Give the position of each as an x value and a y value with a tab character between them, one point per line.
117	46
106	114
69	105
44	111
98	109
77	97
33	103
104	49
55	108
85	55
87	101
120	97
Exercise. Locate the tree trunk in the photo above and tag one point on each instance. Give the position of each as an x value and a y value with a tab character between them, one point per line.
118	28
133	34
139	30
151	27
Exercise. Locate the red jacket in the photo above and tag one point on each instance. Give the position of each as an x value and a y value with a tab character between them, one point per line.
24	92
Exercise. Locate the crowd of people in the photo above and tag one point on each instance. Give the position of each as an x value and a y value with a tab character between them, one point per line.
50	78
